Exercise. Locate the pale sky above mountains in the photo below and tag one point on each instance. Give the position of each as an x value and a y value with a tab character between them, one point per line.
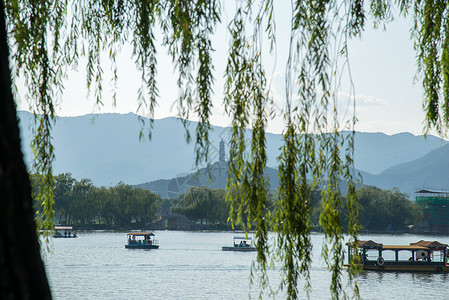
383	68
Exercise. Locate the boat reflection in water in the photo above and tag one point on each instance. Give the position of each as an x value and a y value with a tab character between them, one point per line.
422	256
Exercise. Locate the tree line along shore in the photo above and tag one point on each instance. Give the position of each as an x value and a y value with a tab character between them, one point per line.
83	205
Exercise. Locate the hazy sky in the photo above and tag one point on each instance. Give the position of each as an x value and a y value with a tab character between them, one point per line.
383	67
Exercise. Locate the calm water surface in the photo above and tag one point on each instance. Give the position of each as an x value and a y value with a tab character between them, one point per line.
191	265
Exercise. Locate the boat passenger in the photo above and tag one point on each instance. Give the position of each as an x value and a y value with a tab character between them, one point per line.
423	257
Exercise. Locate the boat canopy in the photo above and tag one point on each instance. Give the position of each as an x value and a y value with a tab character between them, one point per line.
421	245
404	247
430	244
141	233
242	238
367	244
63	227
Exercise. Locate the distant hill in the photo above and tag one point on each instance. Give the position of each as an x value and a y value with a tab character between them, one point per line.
431	170
106	148
376	152
213	176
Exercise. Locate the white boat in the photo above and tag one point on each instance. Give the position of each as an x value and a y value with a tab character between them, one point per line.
243	244
64	232
141	240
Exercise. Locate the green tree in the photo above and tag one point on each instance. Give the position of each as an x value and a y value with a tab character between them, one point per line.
106	206
204	204
125	204
46	41
82	210
147	204
122	202
220	212
82	203
381	209
63	193
195	203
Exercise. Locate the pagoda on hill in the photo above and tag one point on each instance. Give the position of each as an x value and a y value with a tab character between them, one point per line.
221	152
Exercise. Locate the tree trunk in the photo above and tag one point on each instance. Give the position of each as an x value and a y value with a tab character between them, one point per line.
22	272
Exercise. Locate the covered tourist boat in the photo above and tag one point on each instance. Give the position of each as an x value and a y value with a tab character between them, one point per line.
64	232
242	244
142	240
422	256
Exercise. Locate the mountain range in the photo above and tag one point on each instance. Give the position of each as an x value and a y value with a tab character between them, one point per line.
429	171
106	148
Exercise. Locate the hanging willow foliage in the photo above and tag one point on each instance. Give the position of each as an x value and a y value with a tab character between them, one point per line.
49	37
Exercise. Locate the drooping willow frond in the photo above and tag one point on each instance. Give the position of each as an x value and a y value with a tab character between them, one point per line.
431	24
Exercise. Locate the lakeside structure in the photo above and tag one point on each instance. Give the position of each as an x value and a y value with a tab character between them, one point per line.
435	206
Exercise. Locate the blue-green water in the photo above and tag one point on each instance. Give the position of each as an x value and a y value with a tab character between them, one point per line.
191	265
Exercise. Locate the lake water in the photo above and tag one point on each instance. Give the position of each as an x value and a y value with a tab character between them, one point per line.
191	265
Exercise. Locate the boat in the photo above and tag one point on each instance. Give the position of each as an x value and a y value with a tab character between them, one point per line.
422	256
64	232
243	244
142	240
